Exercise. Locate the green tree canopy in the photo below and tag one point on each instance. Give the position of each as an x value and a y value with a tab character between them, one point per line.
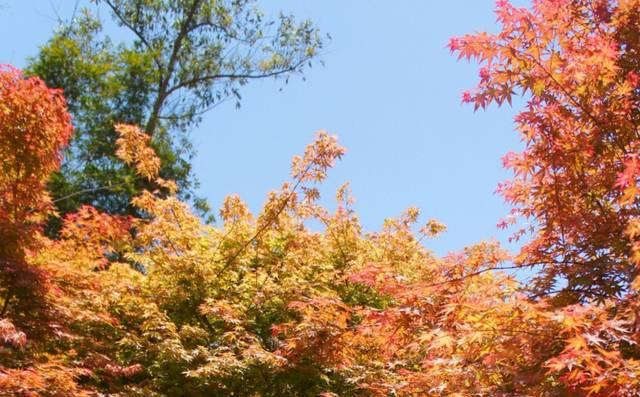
178	59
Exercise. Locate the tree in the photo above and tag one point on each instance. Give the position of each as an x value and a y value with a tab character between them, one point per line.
180	59
262	305
34	127
576	62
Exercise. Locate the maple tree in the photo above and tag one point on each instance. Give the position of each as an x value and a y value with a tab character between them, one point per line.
264	305
35	127
576	62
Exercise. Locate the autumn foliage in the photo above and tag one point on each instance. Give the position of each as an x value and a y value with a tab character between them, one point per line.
34	127
264	305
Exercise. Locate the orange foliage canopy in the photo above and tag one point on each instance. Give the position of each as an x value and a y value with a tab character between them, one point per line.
35	126
577	65
263	305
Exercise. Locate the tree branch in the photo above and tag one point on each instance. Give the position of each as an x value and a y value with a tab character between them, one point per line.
164	82
233	76
266	225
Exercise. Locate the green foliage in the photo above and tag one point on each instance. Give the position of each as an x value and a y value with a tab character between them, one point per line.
178	59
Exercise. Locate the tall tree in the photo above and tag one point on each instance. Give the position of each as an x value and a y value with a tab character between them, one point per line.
178	60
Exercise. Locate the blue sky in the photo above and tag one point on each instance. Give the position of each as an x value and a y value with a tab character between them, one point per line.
389	89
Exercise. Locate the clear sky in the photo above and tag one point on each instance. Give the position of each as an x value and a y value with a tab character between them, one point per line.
389	89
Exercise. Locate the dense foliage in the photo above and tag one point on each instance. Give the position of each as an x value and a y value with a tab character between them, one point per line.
263	305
